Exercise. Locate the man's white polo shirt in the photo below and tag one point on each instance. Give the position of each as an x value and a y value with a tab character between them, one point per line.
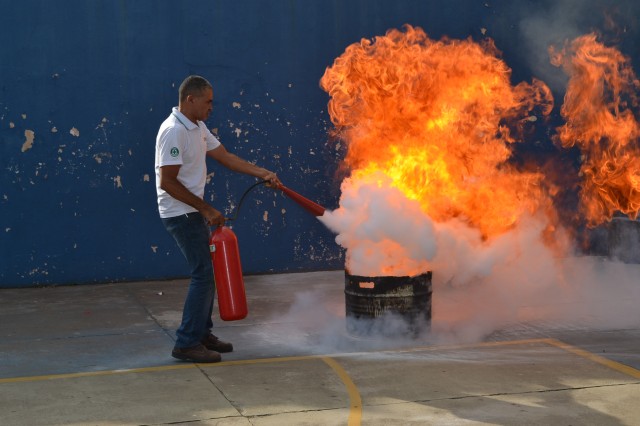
182	142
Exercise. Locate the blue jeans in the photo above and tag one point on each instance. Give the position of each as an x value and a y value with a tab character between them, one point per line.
192	235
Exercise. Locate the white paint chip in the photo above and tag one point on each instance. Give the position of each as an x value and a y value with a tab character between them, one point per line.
54	130
236	105
154	248
145	178
100	156
265	216
28	143
238	132
11	125
117	181
7	229
24	116
74	132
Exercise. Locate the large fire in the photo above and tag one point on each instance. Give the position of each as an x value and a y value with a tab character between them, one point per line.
434	117
599	120
437	120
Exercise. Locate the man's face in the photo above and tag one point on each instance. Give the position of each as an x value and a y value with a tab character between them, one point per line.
202	104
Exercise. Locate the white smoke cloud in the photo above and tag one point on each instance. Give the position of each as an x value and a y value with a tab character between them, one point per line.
479	286
384	232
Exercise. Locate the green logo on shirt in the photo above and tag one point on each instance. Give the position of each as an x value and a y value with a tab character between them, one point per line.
174	152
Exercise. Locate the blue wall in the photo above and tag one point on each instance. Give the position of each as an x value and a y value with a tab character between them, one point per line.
93	80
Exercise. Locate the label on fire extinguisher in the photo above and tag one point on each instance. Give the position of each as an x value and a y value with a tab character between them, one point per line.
212	248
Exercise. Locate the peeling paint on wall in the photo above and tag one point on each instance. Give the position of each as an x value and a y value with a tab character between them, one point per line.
74	175
28	143
100	156
102	123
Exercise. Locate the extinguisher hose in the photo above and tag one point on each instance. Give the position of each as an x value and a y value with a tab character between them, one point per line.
235	215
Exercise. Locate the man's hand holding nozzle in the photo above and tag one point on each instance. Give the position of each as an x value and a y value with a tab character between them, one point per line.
272	178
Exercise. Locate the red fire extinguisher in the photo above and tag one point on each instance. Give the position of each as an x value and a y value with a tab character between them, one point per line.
225	255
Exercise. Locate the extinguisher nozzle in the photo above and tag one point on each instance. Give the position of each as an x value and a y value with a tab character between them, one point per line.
312	207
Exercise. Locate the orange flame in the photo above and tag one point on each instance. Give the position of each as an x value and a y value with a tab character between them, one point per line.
599	120
431	115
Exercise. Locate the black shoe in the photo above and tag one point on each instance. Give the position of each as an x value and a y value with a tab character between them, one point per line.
197	353
211	342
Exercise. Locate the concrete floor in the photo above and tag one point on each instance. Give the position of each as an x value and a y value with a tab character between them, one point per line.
100	355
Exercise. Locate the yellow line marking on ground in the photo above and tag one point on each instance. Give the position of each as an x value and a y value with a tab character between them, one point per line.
94	373
553	342
149	369
355	402
261	361
595	358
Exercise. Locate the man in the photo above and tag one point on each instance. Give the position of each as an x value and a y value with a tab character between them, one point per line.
182	145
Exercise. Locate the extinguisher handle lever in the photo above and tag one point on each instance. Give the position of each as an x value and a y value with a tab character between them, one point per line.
235	215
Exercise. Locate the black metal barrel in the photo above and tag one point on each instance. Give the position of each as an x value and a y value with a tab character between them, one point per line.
624	240
372	303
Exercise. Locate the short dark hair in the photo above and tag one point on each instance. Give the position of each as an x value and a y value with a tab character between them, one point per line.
193	85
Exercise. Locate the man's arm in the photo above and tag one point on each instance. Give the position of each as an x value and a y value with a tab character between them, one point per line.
169	182
237	164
